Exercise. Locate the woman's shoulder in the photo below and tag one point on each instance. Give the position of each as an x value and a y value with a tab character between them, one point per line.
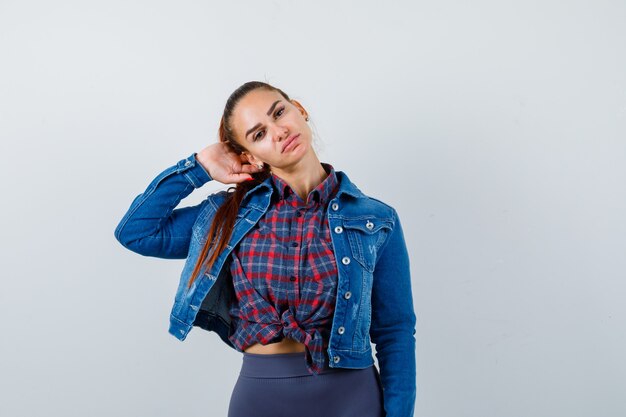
367	203
385	204
382	208
218	197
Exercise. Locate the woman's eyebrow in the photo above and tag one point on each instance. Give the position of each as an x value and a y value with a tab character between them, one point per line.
268	113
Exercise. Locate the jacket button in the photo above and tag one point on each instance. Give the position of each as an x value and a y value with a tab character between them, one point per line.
347	295
341	330
335	206
338	229
336	359
187	163
345	260
369	225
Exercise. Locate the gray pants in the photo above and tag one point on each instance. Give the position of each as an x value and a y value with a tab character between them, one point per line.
279	385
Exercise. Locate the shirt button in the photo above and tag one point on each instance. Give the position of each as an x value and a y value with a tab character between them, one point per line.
294	244
298	214
292	278
345	260
341	330
335	206
338	229
336	359
347	295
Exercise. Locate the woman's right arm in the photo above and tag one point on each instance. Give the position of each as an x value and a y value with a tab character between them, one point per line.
152	226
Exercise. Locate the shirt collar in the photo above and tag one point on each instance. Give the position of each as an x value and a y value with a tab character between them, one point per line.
320	194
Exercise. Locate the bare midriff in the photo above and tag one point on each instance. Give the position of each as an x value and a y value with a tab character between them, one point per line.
286	345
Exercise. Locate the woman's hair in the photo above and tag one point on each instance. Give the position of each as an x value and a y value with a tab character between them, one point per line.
224	220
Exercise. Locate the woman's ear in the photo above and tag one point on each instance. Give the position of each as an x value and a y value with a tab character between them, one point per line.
253	160
299	106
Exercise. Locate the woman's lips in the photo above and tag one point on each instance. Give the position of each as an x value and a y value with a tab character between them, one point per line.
289	144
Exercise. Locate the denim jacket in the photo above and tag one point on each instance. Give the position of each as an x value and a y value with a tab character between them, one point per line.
374	298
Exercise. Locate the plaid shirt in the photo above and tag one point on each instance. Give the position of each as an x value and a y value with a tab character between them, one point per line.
285	275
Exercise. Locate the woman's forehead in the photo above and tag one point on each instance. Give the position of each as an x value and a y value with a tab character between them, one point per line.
258	100
253	108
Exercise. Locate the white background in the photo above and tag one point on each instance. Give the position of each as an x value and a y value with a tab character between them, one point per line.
497	129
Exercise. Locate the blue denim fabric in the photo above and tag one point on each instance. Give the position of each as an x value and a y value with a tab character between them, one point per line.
374	296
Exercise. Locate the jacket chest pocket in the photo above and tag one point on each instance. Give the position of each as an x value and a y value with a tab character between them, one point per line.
365	237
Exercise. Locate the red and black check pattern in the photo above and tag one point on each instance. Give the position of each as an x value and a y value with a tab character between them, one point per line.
285	274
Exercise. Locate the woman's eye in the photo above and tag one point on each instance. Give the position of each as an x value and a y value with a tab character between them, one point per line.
256	135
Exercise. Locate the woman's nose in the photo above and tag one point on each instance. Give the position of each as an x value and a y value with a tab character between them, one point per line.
280	133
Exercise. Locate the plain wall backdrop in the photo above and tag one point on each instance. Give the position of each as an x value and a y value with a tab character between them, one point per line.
497	129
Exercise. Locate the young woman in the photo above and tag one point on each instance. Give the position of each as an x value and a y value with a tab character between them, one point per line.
295	267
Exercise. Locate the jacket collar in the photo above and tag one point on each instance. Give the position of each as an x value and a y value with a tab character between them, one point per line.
321	194
345	187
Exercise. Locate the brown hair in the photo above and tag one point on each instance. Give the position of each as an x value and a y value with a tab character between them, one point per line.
224	220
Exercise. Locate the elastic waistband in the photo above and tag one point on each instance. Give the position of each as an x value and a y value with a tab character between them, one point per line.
278	365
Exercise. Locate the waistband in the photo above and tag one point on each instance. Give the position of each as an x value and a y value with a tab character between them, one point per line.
278	365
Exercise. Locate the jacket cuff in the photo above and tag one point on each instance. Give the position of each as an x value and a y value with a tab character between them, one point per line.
193	171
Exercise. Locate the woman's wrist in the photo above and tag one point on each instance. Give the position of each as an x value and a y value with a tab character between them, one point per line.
203	161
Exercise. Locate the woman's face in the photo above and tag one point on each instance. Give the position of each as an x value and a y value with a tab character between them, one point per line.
263	122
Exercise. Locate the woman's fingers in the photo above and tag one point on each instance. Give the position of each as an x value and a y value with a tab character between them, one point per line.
226	165
239	177
250	169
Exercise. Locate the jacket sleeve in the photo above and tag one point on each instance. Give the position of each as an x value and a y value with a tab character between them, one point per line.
151	226
393	324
